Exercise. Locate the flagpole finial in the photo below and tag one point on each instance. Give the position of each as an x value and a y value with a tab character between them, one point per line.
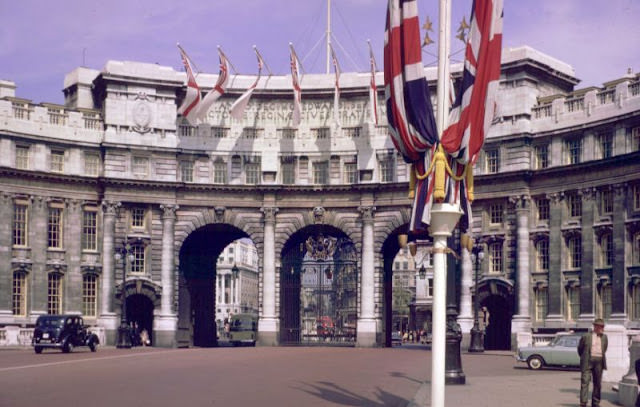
254	46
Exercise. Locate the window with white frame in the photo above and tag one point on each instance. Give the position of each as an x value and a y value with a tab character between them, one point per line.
288	170
573	303
139	257
542	206
320	172
605	145
574	246
90	229
138	218
219	132
252	173
54	293
303	168
57	161
89	295
22	157
541	156
186	171
492	160
252	132
219	172
606	250
54	227
574	205
352	132
429	287
495	214
350	173
140	166
387	167
573	151
20	223
542	255
91	164
286	134
606	202
541	303
495	257
603	303
19	294
321	133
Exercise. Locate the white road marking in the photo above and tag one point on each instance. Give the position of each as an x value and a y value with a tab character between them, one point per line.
66	362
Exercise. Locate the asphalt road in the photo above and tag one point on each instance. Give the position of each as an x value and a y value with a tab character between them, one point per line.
266	376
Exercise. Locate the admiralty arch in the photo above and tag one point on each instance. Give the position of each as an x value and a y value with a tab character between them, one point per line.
112	197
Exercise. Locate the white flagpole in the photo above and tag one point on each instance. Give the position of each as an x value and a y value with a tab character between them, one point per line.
443	220
328	36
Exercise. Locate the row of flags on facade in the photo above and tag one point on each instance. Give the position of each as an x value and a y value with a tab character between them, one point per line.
410	116
194	107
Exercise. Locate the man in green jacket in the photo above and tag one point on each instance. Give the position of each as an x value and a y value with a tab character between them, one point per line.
593	360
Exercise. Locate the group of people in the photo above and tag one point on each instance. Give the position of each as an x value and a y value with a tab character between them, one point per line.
414	336
139	337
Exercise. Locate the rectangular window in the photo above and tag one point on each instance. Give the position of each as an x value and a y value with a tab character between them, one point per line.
575	252
635	301
22	158
492	161
636	249
90	230
186	171
20	224
220	173
137	264
495	252
606	202
573	151
541	156
636	197
542	255
321	133
542	301
288	172
19	296
89	295
542	205
352	132
430	287
350	173
54	293
91	164
138	218
140	166
606	250
54	228
387	169
604	302
495	214
219	132
252	173
286	134
57	116
635	139
605	145
57	161
321	172
573	303
252	132
574	205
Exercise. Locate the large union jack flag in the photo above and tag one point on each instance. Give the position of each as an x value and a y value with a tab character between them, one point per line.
412	124
475	105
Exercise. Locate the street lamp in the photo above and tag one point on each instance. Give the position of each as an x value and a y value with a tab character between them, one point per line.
124	332
422	273
477	334
234	273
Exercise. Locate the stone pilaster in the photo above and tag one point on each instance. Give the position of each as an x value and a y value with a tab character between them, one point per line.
556	210
37	241
268	323
366	320
72	236
521	324
107	315
166	323
618	286
587	278
6	266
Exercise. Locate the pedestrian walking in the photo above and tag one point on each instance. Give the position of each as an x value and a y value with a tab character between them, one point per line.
593	360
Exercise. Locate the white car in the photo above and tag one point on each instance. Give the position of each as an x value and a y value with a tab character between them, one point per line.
561	351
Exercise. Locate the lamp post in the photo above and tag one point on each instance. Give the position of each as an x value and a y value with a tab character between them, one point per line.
477	334
234	274
124	333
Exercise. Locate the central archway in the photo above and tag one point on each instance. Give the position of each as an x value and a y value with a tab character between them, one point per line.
319	288
197	289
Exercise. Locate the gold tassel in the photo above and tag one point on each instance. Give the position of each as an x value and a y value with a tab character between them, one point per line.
440	165
470	182
412	181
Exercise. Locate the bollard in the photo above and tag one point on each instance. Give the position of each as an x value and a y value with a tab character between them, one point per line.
628	386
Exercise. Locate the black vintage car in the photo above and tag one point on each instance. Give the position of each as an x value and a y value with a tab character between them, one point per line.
62	332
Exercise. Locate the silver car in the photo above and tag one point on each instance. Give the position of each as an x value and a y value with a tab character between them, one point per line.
561	351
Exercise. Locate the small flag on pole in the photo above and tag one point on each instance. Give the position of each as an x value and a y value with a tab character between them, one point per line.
373	90
189	105
218	89
336	92
297	91
240	105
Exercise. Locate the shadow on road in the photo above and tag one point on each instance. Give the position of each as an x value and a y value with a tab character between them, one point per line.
334	393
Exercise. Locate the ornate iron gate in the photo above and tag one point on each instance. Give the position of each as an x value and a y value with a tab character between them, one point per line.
319	293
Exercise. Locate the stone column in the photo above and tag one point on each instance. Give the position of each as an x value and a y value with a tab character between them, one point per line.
37	241
166	323
366	329
465	318
268	323
587	309
618	286
108	318
554	316
521	323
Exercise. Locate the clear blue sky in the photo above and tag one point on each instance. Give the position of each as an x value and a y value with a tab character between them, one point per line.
41	41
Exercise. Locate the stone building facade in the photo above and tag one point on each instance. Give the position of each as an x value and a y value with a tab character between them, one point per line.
115	171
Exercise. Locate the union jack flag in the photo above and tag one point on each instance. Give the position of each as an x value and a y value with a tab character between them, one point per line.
189	105
297	91
218	89
475	105
336	92
412	124
237	109
373	89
